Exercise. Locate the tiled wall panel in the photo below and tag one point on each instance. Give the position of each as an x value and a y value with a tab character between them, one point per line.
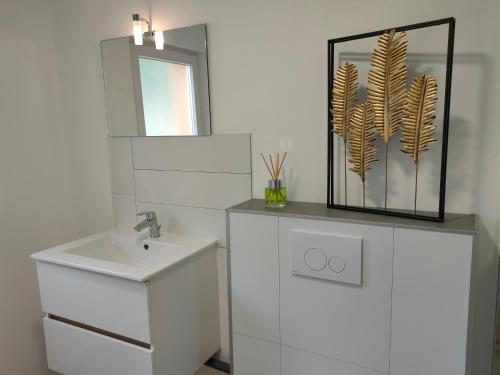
188	182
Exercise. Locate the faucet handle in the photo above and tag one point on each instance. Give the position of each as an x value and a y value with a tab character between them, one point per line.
150	215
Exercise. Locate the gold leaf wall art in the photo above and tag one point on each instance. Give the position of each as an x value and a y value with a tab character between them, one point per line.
418	124
386	91
361	141
407	109
344	94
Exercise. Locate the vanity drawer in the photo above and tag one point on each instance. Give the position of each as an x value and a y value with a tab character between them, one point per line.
75	351
109	303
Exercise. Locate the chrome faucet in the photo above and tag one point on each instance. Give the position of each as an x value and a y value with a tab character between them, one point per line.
150	222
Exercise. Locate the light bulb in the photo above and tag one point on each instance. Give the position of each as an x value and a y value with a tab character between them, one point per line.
138	32
159	40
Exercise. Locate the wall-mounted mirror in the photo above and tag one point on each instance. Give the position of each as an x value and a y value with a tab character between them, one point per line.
152	92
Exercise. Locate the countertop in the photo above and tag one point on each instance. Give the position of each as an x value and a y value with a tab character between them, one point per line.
454	223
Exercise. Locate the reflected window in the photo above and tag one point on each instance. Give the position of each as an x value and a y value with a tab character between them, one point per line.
168	97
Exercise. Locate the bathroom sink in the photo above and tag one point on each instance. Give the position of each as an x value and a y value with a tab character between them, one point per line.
125	253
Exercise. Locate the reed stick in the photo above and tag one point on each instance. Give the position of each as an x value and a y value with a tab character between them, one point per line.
265	162
282	160
272	166
275	164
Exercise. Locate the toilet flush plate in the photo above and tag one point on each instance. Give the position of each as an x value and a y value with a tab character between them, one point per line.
326	256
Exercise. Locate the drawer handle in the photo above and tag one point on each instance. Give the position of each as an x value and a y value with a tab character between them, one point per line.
100	331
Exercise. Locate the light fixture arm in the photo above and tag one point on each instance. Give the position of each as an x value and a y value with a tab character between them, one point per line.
137	17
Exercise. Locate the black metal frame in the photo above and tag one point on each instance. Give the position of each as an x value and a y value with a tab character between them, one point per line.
446	118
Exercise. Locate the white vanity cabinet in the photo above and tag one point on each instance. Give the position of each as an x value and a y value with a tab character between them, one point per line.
409	315
99	324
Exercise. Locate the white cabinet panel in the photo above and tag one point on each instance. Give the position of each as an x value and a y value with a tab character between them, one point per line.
255	357
338	320
224	354
116	305
298	362
432	273
185	315
255	275
75	351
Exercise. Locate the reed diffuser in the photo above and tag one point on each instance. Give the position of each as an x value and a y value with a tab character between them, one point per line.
275	193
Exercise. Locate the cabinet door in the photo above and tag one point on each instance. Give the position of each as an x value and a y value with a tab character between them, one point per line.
255	275
96	300
430	302
255	357
335	319
75	351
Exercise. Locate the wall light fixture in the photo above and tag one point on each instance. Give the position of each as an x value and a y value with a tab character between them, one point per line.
159	40
138	23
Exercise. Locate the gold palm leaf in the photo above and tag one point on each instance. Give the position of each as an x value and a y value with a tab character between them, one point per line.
361	141
387	78
418	124
344	93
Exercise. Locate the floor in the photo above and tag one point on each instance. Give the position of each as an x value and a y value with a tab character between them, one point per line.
208	371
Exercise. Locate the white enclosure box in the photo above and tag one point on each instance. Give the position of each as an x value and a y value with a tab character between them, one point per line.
321	291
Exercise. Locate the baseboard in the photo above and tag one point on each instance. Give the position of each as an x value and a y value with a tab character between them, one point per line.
219	365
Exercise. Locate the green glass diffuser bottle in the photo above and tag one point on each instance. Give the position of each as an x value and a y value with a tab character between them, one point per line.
275	192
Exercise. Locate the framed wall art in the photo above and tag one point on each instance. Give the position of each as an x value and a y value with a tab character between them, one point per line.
388	120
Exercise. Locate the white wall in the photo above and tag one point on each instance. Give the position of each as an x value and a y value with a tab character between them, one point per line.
268	77
35	199
81	82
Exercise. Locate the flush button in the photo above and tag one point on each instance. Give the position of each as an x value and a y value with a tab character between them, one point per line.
336	264
326	256
315	259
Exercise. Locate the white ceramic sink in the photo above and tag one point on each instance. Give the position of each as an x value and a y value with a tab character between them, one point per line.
124	253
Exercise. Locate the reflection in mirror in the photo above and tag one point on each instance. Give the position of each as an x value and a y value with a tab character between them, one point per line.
168	97
152	92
